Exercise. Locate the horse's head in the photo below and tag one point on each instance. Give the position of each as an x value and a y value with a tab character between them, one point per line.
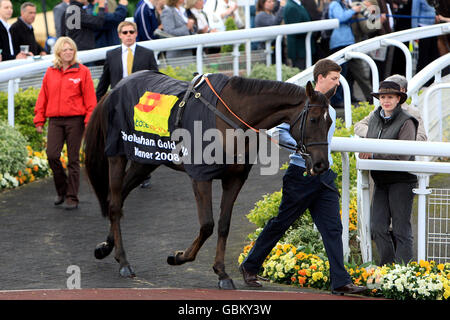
310	130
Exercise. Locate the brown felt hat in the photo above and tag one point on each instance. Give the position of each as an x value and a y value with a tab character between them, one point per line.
390	87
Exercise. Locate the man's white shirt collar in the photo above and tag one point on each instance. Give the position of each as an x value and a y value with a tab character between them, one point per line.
298	2
149	4
132	47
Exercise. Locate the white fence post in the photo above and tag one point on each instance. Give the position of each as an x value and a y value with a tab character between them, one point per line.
11	93
422	192
345	206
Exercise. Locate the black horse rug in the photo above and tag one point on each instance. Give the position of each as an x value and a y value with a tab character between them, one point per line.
145	113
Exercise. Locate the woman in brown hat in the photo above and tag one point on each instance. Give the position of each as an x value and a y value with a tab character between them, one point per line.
393	197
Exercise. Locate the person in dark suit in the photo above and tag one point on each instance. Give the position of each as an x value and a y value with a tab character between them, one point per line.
6	42
116	68
22	30
123	61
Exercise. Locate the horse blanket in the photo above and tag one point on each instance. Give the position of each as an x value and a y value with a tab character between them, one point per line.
141	119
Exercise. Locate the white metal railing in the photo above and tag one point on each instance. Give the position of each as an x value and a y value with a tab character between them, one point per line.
421	168
235	37
364	47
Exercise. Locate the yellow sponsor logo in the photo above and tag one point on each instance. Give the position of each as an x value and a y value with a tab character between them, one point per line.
152	113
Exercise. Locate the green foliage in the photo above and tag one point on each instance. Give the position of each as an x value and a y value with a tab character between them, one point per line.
265	209
261	71
13	149
24	102
230	25
185	73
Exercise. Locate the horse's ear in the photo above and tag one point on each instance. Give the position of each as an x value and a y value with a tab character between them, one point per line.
310	90
330	92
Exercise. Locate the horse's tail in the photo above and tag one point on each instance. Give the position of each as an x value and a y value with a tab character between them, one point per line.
96	162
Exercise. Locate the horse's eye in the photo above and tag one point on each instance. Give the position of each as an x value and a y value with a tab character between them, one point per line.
313	120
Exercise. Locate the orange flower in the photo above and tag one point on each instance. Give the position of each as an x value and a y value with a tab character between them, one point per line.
313	267
293	279
19	173
35	168
302	272
301	280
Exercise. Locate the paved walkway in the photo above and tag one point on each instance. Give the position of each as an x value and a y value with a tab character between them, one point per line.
38	243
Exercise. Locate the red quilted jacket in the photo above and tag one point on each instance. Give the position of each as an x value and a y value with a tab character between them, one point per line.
65	94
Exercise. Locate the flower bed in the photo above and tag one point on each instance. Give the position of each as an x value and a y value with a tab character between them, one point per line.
415	281
36	167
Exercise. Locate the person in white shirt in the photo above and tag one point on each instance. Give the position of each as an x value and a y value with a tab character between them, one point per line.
194	9
6	41
219	11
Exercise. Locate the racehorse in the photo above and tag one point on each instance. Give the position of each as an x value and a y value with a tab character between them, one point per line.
260	104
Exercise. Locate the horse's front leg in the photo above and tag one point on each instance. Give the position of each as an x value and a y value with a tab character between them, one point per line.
116	177
202	191
231	186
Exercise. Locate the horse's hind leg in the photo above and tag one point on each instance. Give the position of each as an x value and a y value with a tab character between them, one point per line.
202	191
231	186
116	177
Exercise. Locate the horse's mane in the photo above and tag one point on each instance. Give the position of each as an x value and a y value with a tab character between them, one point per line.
257	86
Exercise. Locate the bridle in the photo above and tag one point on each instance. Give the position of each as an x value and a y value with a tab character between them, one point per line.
301	145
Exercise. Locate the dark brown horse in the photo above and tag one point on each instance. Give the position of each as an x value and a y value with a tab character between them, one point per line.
261	104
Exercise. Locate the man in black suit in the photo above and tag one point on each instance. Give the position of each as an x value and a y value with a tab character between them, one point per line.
116	64
123	61
6	41
22	30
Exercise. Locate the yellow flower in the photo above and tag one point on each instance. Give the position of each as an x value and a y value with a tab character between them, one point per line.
440	267
424	264
317	276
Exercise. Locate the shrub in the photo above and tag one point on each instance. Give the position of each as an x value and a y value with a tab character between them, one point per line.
13	149
24	102
261	71
185	73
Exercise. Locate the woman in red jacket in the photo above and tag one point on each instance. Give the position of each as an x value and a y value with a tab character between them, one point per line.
67	98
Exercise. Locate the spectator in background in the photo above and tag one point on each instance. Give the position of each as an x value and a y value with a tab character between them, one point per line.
428	50
84	36
219	11
176	23
123	61
107	35
116	66
362	126
194	9
266	16
6	41
295	12
146	19
341	37
58	12
67	98
393	196
22	30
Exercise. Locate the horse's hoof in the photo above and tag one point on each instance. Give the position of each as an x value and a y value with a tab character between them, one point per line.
127	272
174	260
226	284
102	250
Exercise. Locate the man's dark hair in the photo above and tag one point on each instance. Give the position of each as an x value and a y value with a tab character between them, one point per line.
325	66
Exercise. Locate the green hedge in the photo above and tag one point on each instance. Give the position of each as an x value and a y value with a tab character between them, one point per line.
13	149
24	102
